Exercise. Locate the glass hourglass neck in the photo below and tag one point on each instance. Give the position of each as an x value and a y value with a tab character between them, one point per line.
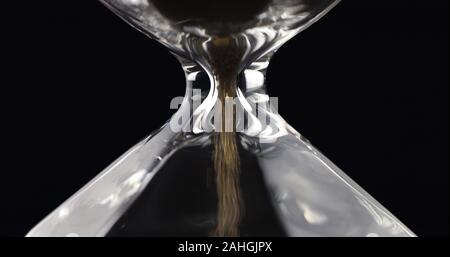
234	100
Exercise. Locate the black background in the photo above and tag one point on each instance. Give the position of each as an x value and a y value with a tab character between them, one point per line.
367	84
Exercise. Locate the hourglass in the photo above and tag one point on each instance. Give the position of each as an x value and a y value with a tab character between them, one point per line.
226	163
